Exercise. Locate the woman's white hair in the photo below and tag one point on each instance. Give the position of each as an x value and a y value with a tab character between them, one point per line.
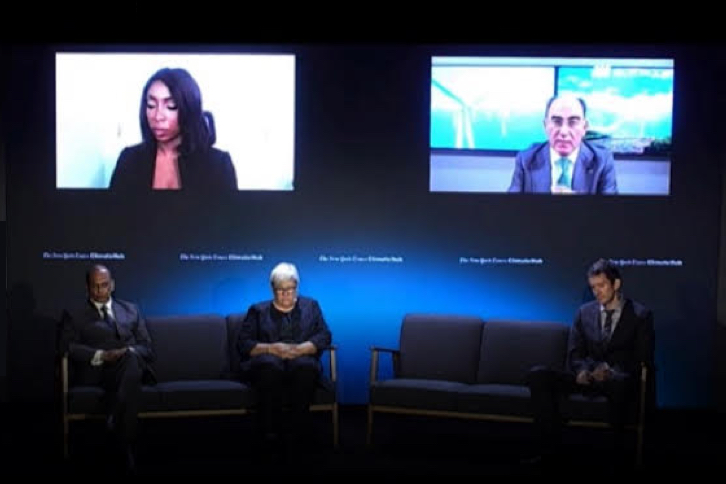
284	271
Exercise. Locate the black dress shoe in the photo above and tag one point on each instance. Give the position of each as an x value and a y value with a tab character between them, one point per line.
130	460
111	423
543	462
534	461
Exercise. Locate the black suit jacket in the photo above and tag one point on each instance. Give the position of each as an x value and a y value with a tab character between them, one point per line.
85	332
209	171
263	323
631	343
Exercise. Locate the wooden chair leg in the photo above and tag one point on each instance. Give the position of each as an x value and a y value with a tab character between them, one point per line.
369	432
336	428
65	437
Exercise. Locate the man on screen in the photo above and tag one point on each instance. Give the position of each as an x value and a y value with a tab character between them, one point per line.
565	163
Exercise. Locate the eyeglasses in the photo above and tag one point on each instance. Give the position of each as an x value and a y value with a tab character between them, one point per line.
285	290
573	122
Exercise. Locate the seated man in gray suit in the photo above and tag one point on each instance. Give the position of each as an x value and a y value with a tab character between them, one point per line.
109	345
565	163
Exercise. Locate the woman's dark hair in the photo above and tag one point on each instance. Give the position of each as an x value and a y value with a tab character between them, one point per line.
195	126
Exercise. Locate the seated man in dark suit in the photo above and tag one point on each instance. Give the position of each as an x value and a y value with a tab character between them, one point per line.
565	163
610	339
109	345
280	343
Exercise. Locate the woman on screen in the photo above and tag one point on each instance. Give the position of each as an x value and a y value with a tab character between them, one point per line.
178	136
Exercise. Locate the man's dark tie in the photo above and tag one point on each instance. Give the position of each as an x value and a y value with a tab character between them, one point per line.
109	320
607	328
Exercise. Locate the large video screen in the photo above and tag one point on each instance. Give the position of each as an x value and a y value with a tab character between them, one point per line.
175	121
551	125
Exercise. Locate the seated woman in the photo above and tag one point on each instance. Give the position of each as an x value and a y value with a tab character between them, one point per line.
280	343
176	152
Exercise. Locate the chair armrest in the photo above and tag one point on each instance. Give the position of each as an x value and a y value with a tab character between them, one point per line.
386	350
332	362
64	374
642	393
395	354
64	383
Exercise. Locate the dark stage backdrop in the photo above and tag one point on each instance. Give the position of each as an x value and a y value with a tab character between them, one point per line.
371	242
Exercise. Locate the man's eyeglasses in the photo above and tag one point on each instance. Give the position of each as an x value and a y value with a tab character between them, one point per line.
573	122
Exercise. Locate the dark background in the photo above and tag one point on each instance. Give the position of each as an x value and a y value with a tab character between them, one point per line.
361	188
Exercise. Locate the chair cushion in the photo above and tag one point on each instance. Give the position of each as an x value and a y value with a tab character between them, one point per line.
190	347
509	349
205	395
440	347
416	393
91	400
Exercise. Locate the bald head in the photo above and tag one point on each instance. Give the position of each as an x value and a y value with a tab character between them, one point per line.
568	98
99	283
